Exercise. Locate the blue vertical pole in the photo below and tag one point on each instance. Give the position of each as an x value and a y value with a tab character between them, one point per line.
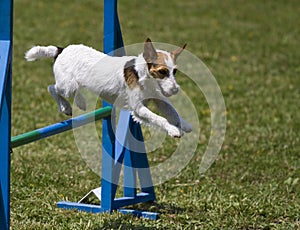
112	30
6	16
123	145
112	40
141	163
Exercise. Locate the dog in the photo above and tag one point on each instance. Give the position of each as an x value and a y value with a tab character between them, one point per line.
134	79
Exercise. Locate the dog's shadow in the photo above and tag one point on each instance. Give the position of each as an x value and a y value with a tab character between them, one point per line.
161	208
122	222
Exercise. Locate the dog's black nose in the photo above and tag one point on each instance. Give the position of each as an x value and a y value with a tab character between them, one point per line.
175	90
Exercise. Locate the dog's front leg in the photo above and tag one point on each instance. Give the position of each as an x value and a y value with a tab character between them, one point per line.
171	114
143	113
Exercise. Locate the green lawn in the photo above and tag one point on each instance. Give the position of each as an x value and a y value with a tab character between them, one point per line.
251	47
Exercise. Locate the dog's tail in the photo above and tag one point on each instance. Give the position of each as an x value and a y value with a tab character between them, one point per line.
38	52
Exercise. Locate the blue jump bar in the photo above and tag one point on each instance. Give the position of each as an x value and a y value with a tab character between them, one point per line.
60	127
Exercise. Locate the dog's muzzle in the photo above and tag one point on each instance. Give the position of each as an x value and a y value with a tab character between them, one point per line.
175	90
171	92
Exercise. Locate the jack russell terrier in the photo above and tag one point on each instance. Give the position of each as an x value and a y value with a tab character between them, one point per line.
135	80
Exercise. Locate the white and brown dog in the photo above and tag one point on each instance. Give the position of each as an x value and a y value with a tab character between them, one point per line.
136	80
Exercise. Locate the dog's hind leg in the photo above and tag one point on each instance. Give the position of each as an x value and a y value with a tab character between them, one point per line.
63	105
80	100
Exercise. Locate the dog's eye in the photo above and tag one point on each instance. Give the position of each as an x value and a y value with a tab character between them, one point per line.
163	72
174	71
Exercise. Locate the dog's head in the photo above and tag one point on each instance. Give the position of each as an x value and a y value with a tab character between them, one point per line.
162	67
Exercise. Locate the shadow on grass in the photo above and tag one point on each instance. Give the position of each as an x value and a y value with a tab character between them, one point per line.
127	221
161	208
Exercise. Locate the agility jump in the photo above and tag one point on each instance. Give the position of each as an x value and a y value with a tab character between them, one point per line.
114	152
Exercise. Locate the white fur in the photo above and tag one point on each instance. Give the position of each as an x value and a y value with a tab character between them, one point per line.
79	66
37	52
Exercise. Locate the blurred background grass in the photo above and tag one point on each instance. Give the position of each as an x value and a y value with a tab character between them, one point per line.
251	47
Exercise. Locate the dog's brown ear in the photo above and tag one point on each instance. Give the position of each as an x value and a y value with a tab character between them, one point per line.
177	52
149	54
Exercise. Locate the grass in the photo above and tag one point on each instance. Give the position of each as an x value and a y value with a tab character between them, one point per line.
251	47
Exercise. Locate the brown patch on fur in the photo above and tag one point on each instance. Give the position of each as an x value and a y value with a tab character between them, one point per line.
156	60
159	69
161	57
130	74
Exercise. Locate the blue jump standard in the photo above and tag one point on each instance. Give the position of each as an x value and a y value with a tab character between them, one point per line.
113	152
97	209
120	149
118	202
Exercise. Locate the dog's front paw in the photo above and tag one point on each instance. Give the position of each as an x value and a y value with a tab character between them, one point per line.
186	127
66	110
174	131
